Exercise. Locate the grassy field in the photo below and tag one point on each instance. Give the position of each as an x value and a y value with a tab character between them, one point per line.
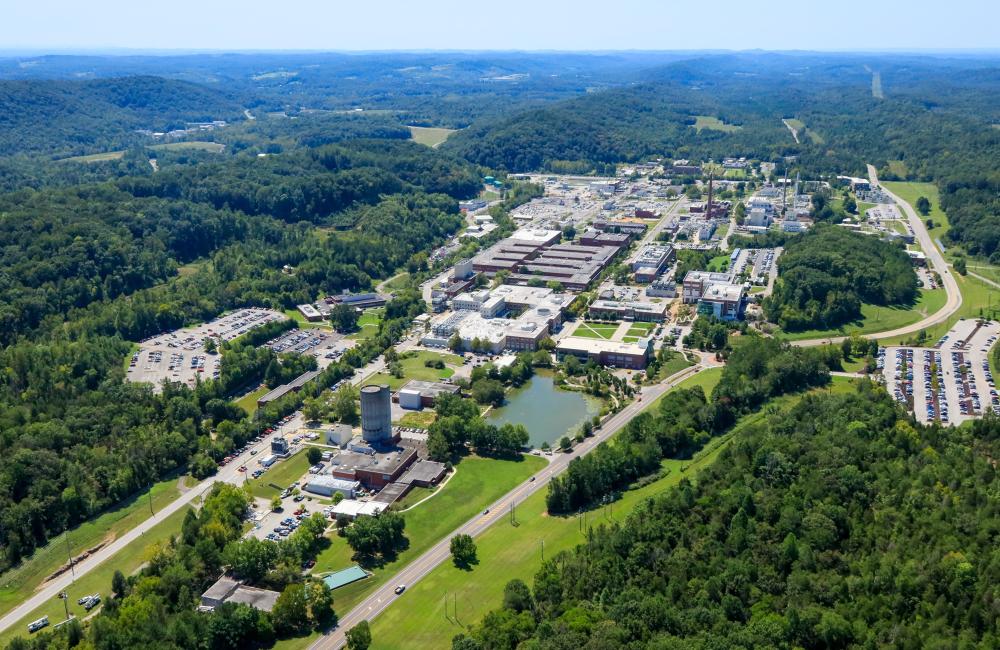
430	136
978	299
368	324
128	561
595	330
988	271
506	551
414	368
281	474
197	145
910	192
640	329
877	318
719	263
95	157
249	401
796	124
418	419
736	174
17	584
714	124
477	483
673	365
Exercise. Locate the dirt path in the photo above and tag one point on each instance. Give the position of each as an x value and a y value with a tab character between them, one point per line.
795	134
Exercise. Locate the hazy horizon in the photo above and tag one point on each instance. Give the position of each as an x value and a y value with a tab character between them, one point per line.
60	26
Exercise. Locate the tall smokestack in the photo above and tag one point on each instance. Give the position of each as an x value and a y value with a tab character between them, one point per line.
708	208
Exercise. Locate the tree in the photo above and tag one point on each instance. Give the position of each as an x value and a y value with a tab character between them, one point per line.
455	343
960	266
251	558
313	409
517	596
119	585
314	455
359	637
923	205
850	205
565	443
344	318
210	345
276	503
320	601
488	391
463	551
345	403
290	613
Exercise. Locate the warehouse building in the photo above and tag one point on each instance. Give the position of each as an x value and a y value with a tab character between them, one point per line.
417	394
374	471
327	486
650	261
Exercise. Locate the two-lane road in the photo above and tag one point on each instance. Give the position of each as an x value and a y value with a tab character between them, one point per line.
935	260
384	596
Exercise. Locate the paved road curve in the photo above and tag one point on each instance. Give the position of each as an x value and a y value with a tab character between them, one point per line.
934	259
440	552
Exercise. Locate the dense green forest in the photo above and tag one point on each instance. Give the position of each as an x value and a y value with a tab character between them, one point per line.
825	275
67	118
839	523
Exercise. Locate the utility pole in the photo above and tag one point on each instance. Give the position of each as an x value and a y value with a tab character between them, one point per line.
543	550
65	599
150	493
69	553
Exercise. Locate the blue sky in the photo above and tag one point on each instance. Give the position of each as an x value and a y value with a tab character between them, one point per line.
499	25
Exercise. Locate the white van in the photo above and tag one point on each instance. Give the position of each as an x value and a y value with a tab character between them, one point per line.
34	626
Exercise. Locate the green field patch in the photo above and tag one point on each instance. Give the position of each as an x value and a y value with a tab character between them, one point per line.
249	401
430	136
718	264
910	192
714	124
280	475
880	318
979	300
194	145
591	330
368	324
129	560
418	419
95	157
20	582
640	329
414	368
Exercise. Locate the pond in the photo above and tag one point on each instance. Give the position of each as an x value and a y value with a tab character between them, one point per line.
548	412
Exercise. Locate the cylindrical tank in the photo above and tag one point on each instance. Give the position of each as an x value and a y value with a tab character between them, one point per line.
376	413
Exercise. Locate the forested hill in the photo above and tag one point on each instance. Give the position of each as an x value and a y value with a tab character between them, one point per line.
839	524
66	118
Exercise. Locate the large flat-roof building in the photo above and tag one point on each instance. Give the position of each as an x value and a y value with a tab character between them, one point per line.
607	353
650	261
416	394
696	283
724	301
372	470
628	310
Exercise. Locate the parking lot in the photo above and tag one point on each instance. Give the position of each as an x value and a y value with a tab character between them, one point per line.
298	341
180	356
950	382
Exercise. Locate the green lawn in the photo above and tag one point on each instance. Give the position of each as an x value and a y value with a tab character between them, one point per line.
249	401
977	297
418	419
910	192
478	482
281	474
95	157
988	271
415	495
301	321
128	561
591	330
673	365
414	368
877	318
719	263
17	584
714	124
197	145
736	174
368	324
641	329
506	551
430	136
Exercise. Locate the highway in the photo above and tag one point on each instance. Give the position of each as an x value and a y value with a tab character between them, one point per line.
384	596
935	260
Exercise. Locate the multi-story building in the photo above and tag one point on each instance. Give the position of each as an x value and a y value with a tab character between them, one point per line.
628	310
651	260
696	283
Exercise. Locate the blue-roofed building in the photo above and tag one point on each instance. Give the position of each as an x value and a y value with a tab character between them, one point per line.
345	577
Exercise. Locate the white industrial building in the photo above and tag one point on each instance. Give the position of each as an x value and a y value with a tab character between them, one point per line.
352	509
327	486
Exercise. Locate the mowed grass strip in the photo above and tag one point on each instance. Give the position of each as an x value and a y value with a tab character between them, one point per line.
280	475
430	136
129	560
414	368
19	583
910	192
714	124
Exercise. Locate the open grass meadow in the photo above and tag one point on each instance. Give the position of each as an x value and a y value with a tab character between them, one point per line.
714	124
978	300
368	324
422	619
430	136
878	318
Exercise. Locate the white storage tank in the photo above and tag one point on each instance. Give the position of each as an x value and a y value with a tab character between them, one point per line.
410	399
